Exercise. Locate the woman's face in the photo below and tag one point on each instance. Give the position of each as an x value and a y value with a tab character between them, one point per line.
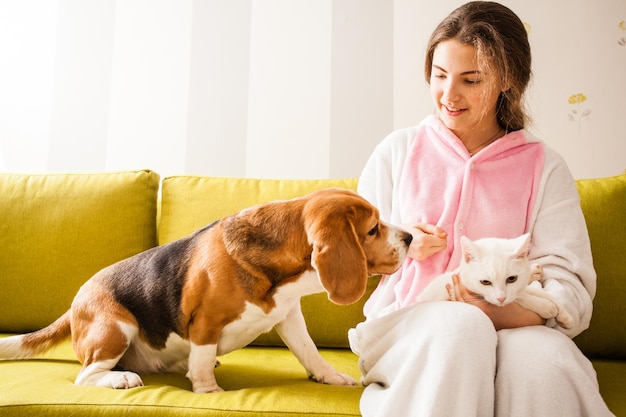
465	96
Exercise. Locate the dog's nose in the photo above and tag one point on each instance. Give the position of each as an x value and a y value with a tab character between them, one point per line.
408	238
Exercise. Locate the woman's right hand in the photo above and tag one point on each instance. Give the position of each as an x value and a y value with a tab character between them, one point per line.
428	239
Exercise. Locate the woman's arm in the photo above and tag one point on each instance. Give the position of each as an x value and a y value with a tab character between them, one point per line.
560	244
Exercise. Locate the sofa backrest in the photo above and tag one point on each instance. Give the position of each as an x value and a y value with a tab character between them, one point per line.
603	201
190	202
57	230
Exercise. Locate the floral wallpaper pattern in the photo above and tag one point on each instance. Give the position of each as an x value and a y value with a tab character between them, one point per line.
578	112
576	99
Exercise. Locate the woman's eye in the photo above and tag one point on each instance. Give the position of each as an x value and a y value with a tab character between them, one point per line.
511	279
373	231
472	82
485	282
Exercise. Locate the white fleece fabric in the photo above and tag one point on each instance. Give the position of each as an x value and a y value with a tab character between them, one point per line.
560	242
445	358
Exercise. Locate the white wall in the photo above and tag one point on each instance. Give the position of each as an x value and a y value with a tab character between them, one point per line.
275	88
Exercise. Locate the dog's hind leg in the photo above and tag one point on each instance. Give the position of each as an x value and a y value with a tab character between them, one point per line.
101	374
102	331
100	349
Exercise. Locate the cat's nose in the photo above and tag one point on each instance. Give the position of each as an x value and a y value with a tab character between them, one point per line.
501	299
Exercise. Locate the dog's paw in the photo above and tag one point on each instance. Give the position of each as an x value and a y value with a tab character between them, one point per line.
207	384
336	378
121	380
207	389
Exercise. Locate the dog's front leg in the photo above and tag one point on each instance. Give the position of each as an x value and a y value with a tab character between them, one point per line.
292	330
202	361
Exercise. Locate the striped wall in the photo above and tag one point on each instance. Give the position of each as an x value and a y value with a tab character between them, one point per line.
275	88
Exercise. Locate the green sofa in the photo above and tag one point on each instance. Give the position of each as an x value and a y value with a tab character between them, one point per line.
56	230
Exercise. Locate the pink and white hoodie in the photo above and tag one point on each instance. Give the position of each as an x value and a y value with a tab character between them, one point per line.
424	174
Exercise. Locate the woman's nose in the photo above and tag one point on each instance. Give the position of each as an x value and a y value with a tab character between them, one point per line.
450	93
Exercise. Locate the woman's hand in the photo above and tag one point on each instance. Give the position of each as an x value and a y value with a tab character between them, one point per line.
503	317
428	239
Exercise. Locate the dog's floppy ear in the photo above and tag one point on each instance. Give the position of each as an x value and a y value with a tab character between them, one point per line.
337	253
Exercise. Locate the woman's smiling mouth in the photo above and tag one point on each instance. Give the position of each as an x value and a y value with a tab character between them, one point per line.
452	111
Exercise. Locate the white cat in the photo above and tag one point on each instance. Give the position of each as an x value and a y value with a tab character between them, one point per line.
499	270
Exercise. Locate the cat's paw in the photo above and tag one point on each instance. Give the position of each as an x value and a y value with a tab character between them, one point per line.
542	305
546	308
564	319
536	272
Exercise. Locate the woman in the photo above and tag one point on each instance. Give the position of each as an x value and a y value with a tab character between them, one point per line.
474	171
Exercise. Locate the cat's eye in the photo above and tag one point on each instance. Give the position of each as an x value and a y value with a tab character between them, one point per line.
511	279
485	282
373	231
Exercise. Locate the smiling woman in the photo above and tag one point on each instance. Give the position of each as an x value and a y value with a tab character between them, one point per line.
478	77
465	95
493	179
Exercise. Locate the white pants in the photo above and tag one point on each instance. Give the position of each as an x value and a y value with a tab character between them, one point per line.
446	359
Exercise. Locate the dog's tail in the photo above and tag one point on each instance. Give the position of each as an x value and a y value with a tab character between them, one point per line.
28	345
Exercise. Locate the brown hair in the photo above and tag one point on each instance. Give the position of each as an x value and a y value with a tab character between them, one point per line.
501	42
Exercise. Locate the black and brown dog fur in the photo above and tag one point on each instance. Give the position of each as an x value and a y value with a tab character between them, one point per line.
178	306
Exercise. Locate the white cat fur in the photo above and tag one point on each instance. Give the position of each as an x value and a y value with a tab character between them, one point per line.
499	270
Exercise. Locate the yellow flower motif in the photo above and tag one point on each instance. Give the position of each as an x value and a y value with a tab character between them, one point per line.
622	25
577	113
577	98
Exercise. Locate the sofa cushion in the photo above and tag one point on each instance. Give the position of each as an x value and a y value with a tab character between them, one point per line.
57	230
603	201
190	202
259	381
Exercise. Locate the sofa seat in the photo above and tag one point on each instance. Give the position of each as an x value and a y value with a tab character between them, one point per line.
259	381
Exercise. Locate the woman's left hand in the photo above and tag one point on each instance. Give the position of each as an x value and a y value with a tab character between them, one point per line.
503	317
458	292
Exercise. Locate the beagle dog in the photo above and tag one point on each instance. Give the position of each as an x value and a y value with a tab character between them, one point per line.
178	306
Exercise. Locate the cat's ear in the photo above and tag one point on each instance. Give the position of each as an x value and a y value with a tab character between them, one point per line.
469	251
523	247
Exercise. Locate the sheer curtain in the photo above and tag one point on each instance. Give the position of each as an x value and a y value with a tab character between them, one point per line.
274	88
